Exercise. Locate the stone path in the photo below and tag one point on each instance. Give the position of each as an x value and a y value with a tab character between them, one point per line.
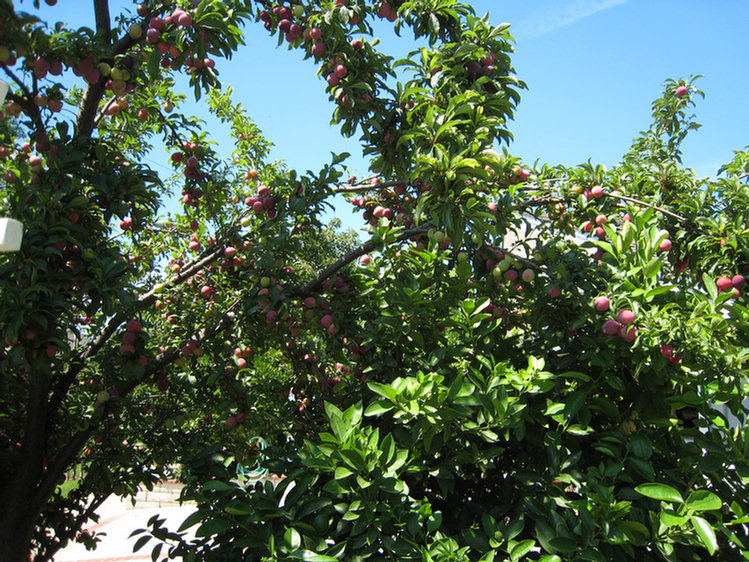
118	518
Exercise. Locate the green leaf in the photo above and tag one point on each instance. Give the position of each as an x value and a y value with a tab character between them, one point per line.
641	446
340	428
657	491
342	472
672	520
334	487
218	486
383	390
213	527
434	522
238	510
521	549
574	403
292	538
310	556
643	467
706	534
141	542
628	234
703	500
636	532
191	520
564	544
554	408
377	408
593	554
737	509
652	268
710	286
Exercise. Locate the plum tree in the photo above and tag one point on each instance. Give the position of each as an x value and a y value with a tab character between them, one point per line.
450	388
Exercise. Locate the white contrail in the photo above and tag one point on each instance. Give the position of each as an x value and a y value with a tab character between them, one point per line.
555	15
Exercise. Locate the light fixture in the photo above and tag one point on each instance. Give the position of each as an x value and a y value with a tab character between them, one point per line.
11	234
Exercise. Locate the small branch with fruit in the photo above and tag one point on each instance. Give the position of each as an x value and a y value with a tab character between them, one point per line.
644	204
552	199
317	282
366	185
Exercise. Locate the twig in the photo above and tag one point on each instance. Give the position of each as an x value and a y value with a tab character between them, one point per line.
316	283
514	256
615	195
644	204
17	80
359	188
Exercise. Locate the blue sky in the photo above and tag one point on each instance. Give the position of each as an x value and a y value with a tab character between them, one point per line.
592	68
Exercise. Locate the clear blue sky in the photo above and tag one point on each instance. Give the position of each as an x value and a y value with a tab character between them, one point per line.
592	68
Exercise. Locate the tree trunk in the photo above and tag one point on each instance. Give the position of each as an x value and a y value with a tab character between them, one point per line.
16	530
20	506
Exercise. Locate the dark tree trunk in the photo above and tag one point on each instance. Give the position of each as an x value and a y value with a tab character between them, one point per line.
20	501
16	528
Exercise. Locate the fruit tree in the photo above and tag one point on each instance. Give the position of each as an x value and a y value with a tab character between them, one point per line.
515	362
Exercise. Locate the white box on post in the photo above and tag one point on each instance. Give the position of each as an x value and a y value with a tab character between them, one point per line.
11	233
3	91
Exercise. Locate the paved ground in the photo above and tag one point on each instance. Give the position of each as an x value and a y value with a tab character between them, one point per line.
119	518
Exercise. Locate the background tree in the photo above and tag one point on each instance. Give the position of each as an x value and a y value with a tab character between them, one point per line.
433	393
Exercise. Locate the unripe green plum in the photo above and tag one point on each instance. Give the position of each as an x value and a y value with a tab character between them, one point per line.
135	31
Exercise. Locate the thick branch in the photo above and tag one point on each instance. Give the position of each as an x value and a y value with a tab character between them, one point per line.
103	25
63	460
88	111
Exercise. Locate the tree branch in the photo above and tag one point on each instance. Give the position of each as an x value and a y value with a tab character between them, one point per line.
316	283
54	472
17	80
65	457
86	120
363	187
614	194
103	25
644	204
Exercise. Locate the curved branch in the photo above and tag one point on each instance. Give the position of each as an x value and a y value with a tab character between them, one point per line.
63	460
208	256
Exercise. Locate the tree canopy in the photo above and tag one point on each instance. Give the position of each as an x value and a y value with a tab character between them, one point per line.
518	361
